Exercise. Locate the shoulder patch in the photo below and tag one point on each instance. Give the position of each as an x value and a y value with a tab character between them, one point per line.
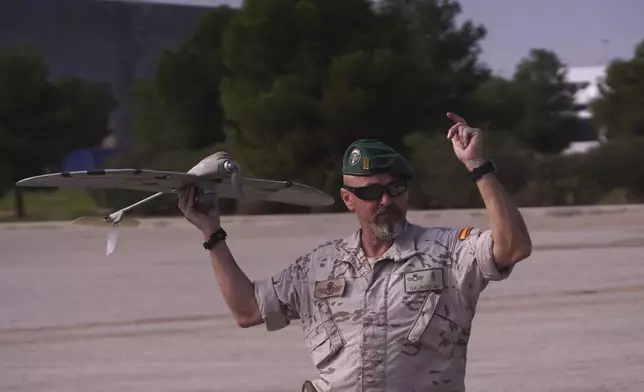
464	233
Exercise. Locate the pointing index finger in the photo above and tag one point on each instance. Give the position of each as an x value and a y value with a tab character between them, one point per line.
456	118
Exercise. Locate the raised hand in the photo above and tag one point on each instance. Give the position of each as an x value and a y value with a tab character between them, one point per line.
467	141
207	222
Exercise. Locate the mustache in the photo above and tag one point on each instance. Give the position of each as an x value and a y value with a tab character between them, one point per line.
391	209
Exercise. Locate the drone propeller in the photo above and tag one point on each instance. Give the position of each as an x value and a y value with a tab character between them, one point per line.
101	222
111	240
116	219
233	169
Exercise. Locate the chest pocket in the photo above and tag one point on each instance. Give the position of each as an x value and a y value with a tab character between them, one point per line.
324	339
435	331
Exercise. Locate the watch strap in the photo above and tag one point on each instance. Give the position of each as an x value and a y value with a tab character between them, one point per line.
480	171
219	235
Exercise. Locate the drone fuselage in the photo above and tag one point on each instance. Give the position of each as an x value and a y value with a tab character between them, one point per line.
216	165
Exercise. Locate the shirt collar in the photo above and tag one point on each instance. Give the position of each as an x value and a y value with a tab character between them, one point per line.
403	248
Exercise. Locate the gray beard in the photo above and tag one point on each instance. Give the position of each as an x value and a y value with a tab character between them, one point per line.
387	230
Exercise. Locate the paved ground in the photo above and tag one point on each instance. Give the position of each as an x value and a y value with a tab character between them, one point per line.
150	317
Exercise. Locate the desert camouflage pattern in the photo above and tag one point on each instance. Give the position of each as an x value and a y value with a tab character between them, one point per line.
401	325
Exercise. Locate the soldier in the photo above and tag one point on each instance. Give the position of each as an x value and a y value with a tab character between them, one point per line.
390	307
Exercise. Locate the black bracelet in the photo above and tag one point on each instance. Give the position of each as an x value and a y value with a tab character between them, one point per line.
219	235
478	172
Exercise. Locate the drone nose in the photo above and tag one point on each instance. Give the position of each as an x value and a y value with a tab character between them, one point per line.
231	167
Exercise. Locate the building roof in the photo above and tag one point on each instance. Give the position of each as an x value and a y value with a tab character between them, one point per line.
592	76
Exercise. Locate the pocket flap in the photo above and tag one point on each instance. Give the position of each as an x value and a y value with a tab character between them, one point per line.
424	315
316	337
322	345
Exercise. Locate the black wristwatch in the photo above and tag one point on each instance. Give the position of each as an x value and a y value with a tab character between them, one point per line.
218	235
480	171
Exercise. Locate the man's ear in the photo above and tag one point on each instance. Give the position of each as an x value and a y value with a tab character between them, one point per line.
346	198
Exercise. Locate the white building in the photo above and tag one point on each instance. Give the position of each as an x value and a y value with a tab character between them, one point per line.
588	78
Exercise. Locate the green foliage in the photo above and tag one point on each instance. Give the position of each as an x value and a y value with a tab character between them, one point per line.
436	166
293	82
154	126
298	80
620	108
446	52
180	107
617	165
547	107
50	204
442	180
558	180
495	106
42	120
308	77
187	82
178	117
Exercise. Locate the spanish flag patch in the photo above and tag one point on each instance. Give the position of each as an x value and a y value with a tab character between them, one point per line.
463	233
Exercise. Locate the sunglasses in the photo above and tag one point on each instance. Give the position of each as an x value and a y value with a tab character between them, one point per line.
374	192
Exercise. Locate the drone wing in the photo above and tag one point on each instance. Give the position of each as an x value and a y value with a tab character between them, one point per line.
131	179
167	181
288	192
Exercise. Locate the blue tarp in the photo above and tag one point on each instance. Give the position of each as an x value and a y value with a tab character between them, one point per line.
87	158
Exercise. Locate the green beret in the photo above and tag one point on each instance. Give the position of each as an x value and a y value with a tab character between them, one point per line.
365	157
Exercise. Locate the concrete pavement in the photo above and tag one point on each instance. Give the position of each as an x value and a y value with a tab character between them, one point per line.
150	317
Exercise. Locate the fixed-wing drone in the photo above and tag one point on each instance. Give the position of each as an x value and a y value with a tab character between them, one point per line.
217	175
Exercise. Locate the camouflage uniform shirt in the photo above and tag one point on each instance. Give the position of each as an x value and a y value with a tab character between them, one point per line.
400	325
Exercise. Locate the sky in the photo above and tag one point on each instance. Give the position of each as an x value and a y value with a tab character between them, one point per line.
581	32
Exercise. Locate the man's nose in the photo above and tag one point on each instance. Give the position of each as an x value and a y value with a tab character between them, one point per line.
385	200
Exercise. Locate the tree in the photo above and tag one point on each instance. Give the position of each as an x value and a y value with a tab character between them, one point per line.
547	99
307	77
177	116
293	82
447	53
496	106
187	81
180	108
303	77
620	107
155	125
80	116
42	120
